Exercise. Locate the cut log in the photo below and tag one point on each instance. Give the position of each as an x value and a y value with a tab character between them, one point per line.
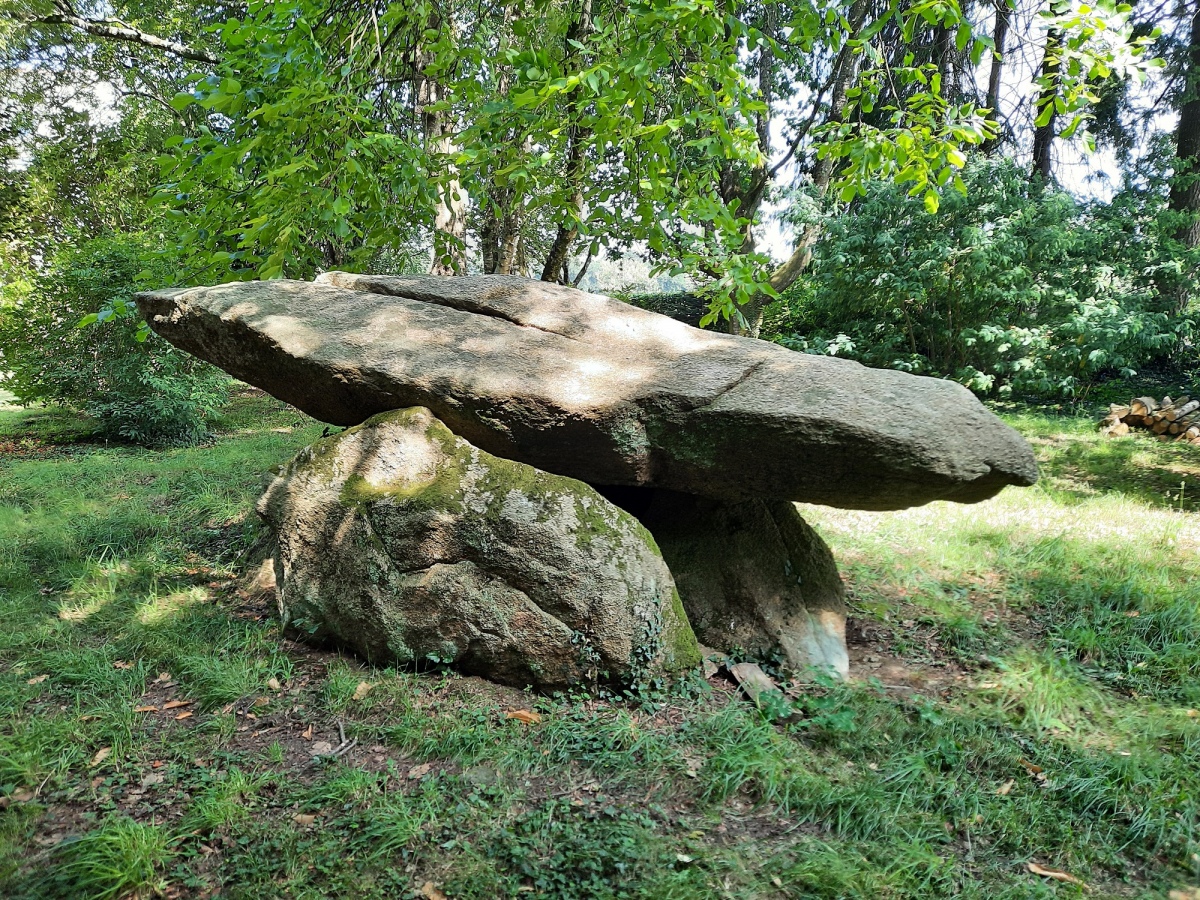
1160	427
1120	412
1143	406
1179	410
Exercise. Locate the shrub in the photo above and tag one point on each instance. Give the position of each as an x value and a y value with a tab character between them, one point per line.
1009	289
137	386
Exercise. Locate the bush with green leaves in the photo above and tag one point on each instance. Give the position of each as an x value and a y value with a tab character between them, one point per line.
1010	289
72	335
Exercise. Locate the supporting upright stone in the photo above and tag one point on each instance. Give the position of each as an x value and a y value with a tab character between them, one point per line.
752	575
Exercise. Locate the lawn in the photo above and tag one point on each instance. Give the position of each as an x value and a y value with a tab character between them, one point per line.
1025	691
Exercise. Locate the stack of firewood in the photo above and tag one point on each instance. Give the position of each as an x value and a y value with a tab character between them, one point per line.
1171	420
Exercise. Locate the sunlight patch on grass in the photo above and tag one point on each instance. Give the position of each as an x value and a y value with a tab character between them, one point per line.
159	610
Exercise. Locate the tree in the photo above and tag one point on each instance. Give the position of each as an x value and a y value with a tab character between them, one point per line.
323	132
1185	187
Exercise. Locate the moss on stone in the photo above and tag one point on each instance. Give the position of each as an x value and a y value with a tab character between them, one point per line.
683	650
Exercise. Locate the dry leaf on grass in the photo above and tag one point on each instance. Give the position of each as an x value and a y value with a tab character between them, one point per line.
273	684
145	709
122	664
308	733
185	715
101	755
362	690
162	676
430	891
1032	768
37	680
175	704
304	819
527	716
261	701
1057	875
419	771
1006	787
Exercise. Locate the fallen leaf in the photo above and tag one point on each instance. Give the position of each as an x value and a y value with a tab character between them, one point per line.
527	716
684	858
1032	768
37	680
430	891
273	684
175	704
145	709
122	664
152	779
1005	788
304	819
22	795
101	755
88	718
362	690
162	676
308	733
1057	875
1132	614
261	701
156	764
184	715
419	771
777	881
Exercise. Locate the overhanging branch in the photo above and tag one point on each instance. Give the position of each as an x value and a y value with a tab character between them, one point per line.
119	31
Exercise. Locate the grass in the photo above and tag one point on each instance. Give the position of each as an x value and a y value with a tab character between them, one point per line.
1028	674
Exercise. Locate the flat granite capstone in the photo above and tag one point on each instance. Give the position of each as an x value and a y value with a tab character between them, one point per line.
586	386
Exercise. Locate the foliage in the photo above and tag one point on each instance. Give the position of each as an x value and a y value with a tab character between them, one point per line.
1010	289
327	133
58	348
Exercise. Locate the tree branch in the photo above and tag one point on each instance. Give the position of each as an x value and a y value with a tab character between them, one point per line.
119	31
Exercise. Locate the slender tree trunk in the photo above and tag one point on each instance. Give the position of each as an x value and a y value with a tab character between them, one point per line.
795	266
1044	134
449	225
568	231
999	37
1185	187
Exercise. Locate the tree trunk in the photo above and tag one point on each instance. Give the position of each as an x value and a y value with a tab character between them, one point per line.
795	266
1043	135
999	37
1185	187
560	250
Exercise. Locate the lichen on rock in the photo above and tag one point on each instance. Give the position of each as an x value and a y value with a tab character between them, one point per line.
404	542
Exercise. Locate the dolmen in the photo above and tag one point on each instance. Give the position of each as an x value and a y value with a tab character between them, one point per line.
547	487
